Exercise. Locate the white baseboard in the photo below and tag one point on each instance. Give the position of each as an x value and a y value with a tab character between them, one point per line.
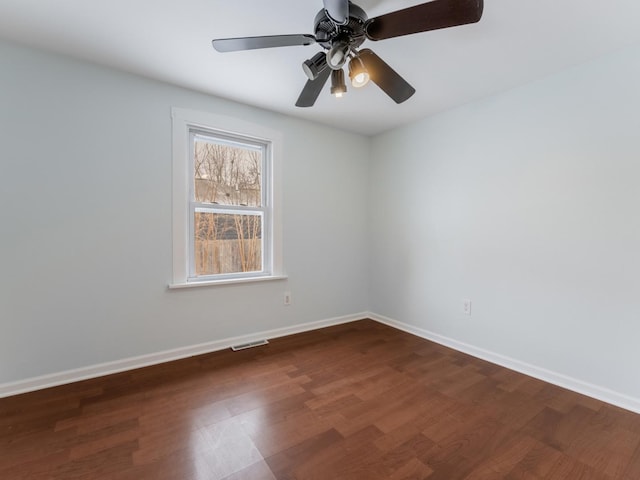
84	373
93	371
564	381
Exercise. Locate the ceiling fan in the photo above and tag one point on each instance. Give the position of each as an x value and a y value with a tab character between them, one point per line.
342	26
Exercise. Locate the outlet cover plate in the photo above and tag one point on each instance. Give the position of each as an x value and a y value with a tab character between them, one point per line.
466	306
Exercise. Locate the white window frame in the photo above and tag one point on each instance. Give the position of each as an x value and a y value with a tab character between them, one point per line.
185	123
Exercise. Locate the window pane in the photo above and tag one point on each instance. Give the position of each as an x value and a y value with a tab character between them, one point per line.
227	174
227	243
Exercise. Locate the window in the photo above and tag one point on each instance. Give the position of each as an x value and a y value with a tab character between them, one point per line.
226	226
228	206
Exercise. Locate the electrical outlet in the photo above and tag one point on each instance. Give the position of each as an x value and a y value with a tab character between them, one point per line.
466	306
287	298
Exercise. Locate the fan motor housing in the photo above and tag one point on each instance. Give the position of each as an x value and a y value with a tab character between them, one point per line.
352	31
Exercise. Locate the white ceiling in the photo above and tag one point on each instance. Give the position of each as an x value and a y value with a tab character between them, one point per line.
515	42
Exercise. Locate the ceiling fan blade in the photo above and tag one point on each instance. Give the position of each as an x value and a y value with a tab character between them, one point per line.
423	18
386	77
338	10
270	41
312	89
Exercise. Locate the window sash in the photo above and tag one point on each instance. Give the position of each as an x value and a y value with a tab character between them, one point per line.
238	141
256	212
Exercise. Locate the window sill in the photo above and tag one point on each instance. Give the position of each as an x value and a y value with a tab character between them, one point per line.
229	281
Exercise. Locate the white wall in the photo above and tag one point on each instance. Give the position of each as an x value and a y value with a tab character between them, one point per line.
528	204
85	231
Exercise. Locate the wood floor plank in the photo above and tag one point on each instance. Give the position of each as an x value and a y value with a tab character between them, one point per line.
355	401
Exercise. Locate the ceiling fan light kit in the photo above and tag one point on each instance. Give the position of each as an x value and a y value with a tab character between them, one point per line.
338	54
358	73
315	65
338	87
341	27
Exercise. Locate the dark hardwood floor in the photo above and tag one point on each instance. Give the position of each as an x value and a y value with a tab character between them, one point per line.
357	401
